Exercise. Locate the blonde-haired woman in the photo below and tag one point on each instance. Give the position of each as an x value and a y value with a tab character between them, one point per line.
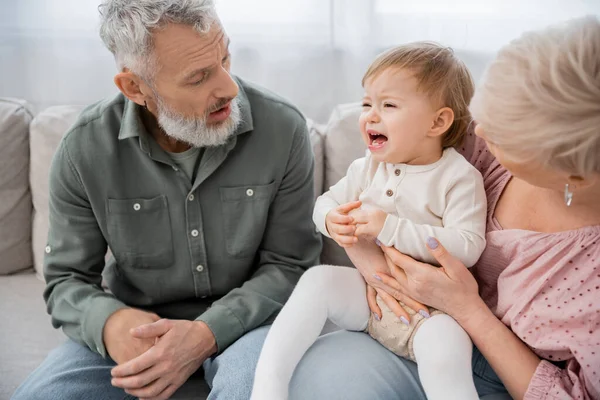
537	144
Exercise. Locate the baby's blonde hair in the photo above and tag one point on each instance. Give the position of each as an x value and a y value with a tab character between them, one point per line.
440	74
540	99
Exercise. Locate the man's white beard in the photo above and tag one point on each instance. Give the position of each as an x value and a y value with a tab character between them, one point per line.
195	131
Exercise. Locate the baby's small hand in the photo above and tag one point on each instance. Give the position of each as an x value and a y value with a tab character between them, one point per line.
369	222
341	226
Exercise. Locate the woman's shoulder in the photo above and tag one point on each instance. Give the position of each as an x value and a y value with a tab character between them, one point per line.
475	150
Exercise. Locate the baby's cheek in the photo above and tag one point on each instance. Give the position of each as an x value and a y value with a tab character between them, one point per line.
362	121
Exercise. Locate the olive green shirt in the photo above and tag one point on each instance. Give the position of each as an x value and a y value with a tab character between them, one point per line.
187	161
226	249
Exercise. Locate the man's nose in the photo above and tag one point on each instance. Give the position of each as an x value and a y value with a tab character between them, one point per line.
225	87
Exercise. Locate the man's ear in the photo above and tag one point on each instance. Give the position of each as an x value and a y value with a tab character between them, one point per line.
443	119
134	88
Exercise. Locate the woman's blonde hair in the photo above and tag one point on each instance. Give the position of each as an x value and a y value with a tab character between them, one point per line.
539	100
440	74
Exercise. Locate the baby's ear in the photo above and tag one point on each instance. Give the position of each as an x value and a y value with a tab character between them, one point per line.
442	121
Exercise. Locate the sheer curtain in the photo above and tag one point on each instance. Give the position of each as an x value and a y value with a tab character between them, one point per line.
312	52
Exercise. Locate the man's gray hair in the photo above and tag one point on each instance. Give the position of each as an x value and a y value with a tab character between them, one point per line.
127	26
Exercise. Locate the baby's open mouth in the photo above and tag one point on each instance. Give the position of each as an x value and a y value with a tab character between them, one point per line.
377	139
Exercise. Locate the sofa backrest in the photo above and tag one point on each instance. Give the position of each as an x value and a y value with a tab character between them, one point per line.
15	197
335	146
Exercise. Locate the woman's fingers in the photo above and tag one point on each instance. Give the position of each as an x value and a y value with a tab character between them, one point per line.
395	289
399	260
372	301
395	307
398	274
415	305
450	263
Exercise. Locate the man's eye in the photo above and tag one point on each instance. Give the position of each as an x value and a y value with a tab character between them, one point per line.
202	80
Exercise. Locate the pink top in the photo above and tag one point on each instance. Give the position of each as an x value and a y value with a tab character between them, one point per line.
546	288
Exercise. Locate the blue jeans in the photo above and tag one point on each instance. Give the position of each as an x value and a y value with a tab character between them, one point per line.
341	365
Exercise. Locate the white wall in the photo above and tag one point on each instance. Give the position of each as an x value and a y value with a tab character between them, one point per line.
313	52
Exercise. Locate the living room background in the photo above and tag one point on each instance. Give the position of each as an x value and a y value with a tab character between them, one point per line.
313	52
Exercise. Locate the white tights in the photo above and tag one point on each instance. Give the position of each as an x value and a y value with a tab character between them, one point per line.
442	348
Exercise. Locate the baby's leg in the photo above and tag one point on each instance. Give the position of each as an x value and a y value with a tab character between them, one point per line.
443	352
368	258
338	293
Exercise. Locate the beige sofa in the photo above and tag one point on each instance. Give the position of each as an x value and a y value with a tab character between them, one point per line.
27	143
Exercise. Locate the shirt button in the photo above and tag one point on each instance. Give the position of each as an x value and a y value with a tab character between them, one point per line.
397	172
249	192
191	197
48	249
175	168
389	193
200	268
195	233
137	207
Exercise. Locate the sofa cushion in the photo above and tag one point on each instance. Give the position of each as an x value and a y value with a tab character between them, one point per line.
27	335
15	197
47	129
343	144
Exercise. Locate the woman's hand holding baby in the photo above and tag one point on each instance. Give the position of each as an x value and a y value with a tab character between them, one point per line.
341	226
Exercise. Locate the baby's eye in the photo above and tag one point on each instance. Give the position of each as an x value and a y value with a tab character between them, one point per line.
366	105
389	105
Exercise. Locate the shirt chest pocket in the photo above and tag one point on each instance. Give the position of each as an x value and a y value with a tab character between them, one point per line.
139	232
245	214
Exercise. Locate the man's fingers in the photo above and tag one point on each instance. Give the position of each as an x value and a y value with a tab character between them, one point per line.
372	301
138	381
153	390
395	307
153	330
166	394
137	365
346	208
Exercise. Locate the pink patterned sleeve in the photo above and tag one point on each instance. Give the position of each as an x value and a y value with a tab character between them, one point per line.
574	382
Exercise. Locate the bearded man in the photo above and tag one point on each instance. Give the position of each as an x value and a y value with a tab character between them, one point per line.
201	186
